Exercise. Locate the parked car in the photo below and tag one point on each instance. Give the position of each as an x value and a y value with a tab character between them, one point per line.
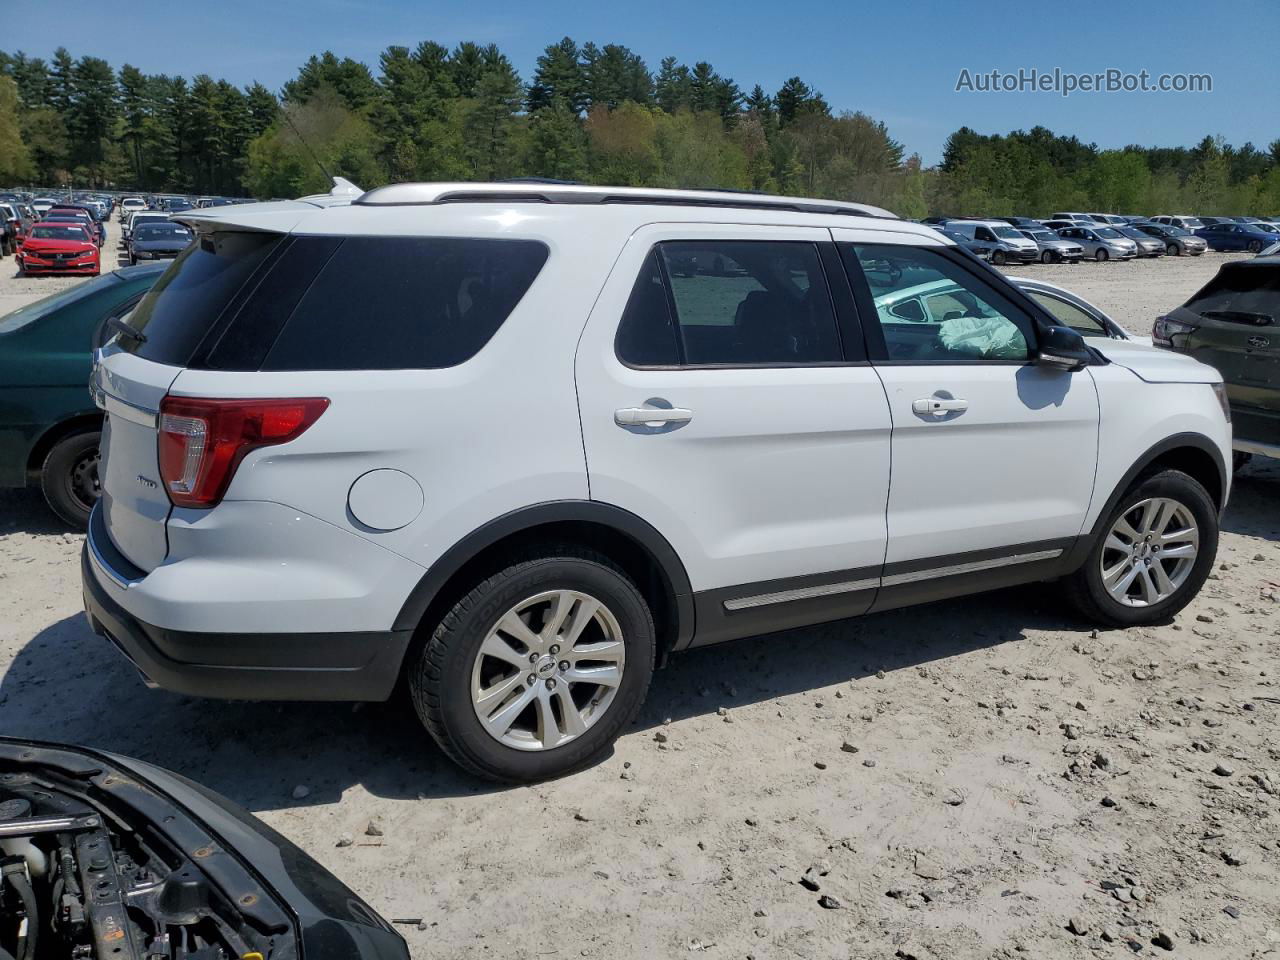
1022	223
58	247
1056	225
107	856
1183	221
1101	243
1078	217
158	241
1148	246
1072	310
979	249
524	583
129	205
64	213
1054	249
1177	241
1230	324
1236	236
12	228
137	219
49	425
42	204
1109	219
1213	221
1006	243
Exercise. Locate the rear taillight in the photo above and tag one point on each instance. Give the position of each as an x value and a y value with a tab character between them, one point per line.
202	441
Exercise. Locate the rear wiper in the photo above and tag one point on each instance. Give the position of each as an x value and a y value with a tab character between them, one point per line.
1241	316
122	328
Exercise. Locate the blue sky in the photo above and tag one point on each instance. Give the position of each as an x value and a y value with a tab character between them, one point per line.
898	61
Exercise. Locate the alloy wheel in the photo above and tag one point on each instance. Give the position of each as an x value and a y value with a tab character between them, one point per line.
1149	552
548	670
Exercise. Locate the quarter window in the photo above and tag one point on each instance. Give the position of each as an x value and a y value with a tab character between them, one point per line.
730	302
931	310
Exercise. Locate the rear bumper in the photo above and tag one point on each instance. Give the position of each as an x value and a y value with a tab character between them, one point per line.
354	665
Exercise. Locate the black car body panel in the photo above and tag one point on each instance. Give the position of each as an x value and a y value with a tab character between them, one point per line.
220	868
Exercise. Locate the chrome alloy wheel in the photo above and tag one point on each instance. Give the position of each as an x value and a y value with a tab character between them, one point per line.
548	670
1149	552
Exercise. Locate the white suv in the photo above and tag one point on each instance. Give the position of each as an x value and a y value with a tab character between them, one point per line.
516	443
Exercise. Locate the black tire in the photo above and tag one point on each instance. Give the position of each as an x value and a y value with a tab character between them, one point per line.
1173	250
1047	257
997	257
69	477
440	674
1101	254
1084	588
1239	459
1255	246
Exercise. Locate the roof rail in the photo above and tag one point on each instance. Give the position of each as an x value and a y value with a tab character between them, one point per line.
421	194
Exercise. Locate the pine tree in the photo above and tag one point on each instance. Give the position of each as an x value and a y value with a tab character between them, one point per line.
558	78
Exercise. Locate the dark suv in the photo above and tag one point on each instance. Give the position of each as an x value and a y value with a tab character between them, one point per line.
1232	323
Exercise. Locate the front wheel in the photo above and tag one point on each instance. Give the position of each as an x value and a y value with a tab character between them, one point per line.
538	669
69	478
1156	549
1101	255
997	257
1172	250
1046	257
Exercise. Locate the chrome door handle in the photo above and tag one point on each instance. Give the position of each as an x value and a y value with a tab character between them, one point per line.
651	416
938	407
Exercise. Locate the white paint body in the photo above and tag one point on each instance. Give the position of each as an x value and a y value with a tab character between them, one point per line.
780	472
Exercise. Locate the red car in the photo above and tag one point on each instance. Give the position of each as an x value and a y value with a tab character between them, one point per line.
59	248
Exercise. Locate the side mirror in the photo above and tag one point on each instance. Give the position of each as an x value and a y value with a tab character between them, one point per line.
1063	348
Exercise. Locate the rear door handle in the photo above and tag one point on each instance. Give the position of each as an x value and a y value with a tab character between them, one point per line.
938	407
651	416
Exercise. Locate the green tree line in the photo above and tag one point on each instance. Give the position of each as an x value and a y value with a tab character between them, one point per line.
591	113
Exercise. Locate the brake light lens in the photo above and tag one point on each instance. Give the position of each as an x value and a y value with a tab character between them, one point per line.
202	441
1164	330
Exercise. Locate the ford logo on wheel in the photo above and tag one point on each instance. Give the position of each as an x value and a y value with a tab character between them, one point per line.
1259	342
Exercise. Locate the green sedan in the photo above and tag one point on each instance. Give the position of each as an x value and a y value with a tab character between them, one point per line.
49	425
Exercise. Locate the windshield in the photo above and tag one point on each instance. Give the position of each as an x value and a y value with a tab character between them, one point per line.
1007	233
55	232
1132	233
1044	236
162	231
32	312
1107	233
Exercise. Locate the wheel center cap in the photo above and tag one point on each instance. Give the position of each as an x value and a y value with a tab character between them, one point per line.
546	666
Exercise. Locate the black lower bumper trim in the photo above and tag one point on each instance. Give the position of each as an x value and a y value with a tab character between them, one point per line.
243	666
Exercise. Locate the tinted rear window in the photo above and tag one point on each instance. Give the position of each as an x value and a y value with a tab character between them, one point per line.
1246	293
186	302
244	301
387	303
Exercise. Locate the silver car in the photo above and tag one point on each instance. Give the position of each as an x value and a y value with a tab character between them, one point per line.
1053	249
1148	246
1177	241
1101	243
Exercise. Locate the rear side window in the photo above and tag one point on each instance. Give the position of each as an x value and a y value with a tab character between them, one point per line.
187	300
388	303
730	303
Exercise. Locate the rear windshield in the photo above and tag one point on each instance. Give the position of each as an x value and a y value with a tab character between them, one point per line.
240	301
162	231
55	232
1243	294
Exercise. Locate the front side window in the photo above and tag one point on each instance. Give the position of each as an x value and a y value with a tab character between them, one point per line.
730	302
932	310
1069	315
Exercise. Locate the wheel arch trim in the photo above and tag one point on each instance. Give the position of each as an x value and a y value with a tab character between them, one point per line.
1177	441
620	521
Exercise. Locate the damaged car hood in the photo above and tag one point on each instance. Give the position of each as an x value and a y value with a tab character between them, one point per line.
1153	364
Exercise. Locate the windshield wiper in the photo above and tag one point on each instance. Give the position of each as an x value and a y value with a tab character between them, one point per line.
122	328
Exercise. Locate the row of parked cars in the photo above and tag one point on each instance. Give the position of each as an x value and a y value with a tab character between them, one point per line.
1067	237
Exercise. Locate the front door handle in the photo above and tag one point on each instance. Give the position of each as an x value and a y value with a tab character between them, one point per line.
938	406
651	416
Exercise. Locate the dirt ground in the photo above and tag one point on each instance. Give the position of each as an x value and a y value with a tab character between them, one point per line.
964	780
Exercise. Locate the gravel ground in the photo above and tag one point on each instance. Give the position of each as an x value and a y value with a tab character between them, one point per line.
975	779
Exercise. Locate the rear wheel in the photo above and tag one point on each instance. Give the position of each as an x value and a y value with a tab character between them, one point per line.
1156	549
536	671
1255	246
69	478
